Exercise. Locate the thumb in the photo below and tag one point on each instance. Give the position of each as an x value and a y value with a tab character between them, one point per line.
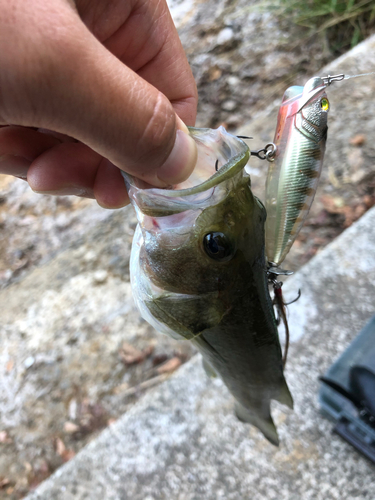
124	118
77	87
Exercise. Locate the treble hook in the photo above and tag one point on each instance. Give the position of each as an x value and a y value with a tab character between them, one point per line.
294	300
272	273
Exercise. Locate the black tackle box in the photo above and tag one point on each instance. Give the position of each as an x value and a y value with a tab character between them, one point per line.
347	393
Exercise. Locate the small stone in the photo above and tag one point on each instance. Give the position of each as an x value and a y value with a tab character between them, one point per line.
29	361
100	276
226	35
73	409
229	105
90	256
233	81
6	275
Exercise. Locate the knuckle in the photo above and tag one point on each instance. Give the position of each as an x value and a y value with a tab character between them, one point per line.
159	134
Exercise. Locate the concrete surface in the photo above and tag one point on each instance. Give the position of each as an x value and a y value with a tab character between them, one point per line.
182	441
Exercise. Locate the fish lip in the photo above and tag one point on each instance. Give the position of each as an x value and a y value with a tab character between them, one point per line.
232	166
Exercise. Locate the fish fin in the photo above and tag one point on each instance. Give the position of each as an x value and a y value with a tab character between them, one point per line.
166	318
284	397
188	316
210	371
264	424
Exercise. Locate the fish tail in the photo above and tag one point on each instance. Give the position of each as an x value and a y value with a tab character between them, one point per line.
284	397
264	424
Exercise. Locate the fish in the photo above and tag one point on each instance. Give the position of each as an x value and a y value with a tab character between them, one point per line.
293	175
198	272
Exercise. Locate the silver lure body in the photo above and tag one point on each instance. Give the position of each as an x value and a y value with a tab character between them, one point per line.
293	176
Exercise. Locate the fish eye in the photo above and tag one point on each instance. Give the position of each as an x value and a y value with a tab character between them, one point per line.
324	104
218	246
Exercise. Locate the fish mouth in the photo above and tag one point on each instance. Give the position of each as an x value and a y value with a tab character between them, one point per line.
221	156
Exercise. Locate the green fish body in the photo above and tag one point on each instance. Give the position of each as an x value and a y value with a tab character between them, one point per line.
199	273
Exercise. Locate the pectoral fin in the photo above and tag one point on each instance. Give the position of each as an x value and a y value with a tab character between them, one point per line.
188	316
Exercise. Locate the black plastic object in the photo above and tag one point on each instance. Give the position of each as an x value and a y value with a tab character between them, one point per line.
347	395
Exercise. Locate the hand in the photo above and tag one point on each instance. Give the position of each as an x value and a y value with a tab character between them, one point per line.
89	86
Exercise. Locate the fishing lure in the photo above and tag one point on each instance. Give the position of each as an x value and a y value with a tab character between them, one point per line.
293	176
296	159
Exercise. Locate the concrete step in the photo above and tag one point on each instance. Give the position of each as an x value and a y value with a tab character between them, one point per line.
183	442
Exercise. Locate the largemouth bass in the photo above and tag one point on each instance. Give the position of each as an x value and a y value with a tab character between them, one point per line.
198	272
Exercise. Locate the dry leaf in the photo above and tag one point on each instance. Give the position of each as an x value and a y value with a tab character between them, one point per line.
214	73
28	467
4	482
9	366
61	450
358	140
130	355
4	437
169	366
70	427
68	455
334	205
120	388
60	446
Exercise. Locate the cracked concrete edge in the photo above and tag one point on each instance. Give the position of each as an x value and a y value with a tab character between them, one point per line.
131	457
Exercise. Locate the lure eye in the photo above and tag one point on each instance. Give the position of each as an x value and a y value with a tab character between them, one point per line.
218	246
324	104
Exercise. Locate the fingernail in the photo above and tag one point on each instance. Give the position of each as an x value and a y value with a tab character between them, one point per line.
69	191
182	160
14	165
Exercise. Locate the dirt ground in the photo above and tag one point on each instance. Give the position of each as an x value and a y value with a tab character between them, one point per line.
75	353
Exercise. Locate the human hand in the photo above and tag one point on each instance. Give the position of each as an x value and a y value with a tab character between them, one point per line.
89	86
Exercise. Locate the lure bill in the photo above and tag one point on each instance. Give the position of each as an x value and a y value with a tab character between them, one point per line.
293	176
198	272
